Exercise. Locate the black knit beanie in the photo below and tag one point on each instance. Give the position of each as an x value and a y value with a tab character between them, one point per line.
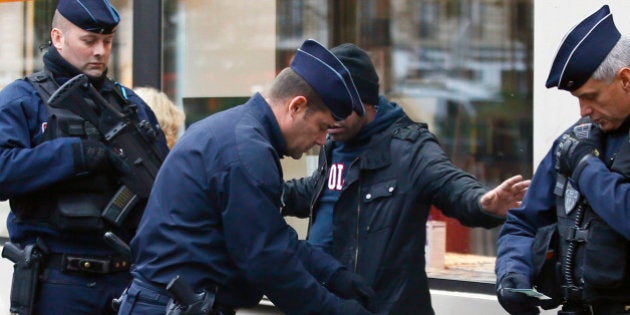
361	70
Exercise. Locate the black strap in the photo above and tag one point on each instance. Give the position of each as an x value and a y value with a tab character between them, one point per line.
45	85
87	264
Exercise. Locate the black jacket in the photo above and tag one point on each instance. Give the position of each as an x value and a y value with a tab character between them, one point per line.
379	220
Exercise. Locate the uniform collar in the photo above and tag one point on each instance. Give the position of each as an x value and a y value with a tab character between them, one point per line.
63	71
263	113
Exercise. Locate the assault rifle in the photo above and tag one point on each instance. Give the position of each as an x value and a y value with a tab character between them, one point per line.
132	140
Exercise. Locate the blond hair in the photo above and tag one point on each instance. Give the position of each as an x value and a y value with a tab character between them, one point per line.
169	116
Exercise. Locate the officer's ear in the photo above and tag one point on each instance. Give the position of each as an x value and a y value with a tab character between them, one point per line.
624	77
296	105
56	35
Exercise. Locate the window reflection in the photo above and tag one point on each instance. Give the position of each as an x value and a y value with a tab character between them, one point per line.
26	36
462	66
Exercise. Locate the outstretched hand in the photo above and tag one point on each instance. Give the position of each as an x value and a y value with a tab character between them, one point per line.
505	196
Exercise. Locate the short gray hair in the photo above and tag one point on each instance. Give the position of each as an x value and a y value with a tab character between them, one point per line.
617	58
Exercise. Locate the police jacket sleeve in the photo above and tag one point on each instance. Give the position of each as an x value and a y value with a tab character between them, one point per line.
265	248
455	192
25	165
317	262
297	196
518	232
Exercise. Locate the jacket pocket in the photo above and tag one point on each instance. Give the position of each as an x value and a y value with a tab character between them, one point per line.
378	217
379	190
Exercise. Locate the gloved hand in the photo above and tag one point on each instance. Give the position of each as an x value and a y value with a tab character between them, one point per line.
352	307
95	156
349	285
585	140
513	302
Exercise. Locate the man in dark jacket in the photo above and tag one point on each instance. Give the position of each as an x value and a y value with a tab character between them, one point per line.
59	172
379	173
213	217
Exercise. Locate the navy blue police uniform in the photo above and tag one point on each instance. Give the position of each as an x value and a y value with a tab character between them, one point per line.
213	218
53	188
570	237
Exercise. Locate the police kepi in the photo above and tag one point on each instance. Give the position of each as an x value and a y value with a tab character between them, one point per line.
97	16
583	49
328	77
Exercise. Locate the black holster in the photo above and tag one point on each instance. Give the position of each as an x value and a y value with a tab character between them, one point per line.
28	263
185	301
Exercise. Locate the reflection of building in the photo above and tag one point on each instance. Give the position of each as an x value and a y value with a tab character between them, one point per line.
460	65
463	66
473	53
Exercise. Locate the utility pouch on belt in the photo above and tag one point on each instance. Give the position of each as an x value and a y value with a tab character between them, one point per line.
545	260
28	263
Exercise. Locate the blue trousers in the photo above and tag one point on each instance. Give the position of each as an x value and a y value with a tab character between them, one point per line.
79	294
142	298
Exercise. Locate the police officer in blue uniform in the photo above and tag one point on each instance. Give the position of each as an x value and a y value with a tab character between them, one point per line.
213	222
570	238
58	173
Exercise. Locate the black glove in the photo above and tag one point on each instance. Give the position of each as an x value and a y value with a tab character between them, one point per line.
95	156
573	149
349	285
352	307
516	303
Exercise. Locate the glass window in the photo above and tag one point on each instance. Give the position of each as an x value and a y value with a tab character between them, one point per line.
462	66
25	36
465	68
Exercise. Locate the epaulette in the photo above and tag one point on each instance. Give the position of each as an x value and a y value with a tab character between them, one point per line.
410	132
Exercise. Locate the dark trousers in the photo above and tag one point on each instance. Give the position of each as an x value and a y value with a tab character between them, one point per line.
143	298
79	294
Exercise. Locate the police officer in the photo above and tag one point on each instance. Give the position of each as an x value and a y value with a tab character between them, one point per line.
570	238
213	219
59	174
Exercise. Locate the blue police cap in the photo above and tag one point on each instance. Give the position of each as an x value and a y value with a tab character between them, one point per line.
98	16
328	77
582	50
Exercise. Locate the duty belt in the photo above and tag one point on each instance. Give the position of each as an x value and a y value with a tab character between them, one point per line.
88	264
